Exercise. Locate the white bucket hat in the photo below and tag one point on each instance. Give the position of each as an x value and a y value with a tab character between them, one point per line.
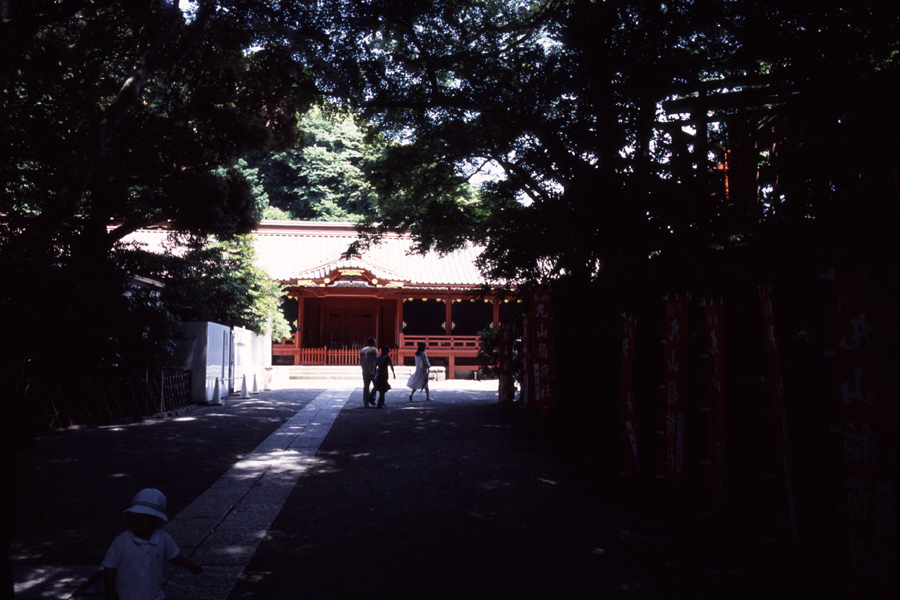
149	502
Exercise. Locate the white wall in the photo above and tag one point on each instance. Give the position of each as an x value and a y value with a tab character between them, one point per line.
207	352
252	356
212	351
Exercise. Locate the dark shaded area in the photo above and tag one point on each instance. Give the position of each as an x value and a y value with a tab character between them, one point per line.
424	317
87	477
471	316
455	499
587	425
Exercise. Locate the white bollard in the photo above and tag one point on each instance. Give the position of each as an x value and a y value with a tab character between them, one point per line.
254	389
244	394
217	394
267	379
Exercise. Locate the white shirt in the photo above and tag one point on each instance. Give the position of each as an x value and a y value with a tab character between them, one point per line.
367	358
139	564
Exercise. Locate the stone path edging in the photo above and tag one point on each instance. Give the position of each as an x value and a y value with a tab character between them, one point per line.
223	527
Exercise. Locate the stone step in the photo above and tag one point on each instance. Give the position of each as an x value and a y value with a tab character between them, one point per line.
306	372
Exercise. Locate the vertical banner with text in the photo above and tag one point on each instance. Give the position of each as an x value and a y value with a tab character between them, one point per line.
785	504
542	349
527	362
713	313
627	411
527	379
504	365
675	383
864	326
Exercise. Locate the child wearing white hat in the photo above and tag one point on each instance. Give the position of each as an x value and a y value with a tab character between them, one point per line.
133	565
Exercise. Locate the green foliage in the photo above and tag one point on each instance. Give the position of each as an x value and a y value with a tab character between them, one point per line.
488	351
585	111
322	178
340	172
128	113
120	115
218	281
426	198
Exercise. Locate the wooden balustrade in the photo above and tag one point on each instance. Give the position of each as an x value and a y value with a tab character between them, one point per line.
329	356
442	343
458	351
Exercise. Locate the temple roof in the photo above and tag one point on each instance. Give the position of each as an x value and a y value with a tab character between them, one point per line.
292	251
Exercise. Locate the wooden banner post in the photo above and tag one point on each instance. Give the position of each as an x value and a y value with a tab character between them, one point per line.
713	313
542	347
631	458
785	504
527	363
675	381
504	365
864	334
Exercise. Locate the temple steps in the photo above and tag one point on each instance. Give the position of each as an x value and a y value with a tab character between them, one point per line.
307	372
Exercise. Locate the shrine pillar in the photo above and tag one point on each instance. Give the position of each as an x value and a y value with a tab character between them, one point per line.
398	327
451	360
298	335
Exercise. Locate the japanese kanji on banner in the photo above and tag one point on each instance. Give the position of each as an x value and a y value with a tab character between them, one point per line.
782	440
627	411
504	365
715	401
542	351
675	384
864	326
527	363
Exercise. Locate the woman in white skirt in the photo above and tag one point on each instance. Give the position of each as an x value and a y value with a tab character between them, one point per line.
419	379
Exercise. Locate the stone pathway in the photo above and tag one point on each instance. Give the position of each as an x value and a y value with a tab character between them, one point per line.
223	527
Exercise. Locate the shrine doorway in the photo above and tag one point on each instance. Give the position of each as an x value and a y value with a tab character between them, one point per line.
346	323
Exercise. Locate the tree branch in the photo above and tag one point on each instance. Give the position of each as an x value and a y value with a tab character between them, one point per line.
128	95
64	10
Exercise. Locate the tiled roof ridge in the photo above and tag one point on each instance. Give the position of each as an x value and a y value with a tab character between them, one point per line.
303	250
352	262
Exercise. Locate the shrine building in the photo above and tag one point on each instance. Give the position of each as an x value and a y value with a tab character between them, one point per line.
336	298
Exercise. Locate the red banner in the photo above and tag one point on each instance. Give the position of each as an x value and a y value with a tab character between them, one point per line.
785	504
542	349
504	365
627	411
715	401
675	381
864	325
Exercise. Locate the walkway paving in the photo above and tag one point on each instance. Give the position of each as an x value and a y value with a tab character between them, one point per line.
228	519
303	493
221	528
225	525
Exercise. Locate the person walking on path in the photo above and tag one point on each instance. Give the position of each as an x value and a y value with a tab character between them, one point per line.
367	357
381	374
419	379
133	565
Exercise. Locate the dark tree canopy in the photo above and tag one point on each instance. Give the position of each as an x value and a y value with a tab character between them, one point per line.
610	122
120	115
620	138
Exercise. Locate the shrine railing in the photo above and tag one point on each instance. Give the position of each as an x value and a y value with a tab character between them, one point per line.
454	351
333	356
461	344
